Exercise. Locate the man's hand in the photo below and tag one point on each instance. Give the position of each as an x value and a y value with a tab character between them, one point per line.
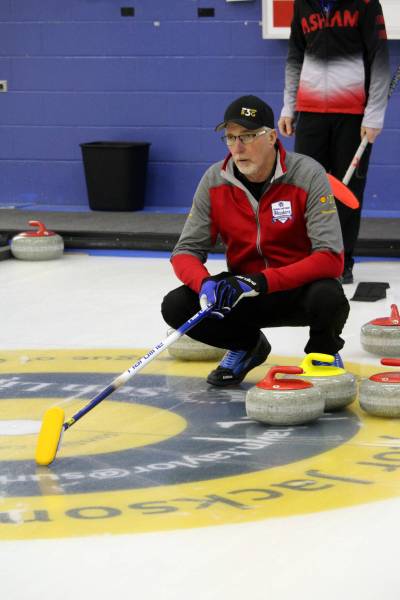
371	133
224	293
286	126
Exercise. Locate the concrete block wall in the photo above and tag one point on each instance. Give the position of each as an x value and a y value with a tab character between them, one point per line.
79	71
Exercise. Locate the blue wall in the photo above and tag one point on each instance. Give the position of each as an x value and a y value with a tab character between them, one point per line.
78	71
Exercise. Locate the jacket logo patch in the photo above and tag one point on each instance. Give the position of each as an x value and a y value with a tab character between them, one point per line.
329	199
281	211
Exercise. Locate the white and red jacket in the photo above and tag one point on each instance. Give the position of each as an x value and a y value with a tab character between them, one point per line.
338	62
292	234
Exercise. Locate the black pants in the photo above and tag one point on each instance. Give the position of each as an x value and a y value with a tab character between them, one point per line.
321	305
332	140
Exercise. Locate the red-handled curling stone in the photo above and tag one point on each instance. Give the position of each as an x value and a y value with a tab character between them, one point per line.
380	394
39	244
284	401
187	349
382	336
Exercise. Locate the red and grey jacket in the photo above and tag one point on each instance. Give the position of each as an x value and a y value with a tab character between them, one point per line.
291	235
338	62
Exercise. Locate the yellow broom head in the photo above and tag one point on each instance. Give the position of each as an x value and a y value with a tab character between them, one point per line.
49	435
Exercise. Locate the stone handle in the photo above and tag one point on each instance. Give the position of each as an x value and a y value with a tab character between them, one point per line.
390	362
270	378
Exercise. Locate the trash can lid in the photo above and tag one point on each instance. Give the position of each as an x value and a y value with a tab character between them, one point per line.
110	144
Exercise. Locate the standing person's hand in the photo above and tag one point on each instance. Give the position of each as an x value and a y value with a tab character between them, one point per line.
286	126
371	133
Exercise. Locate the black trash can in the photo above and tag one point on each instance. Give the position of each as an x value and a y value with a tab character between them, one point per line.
115	174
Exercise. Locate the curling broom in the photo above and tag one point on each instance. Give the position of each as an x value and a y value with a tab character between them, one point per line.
53	424
339	188
364	142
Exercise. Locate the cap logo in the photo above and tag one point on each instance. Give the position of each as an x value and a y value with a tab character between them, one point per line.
248	112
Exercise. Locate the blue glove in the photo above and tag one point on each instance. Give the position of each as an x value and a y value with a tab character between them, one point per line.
224	293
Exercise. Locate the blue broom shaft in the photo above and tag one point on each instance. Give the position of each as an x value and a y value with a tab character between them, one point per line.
101	396
138	366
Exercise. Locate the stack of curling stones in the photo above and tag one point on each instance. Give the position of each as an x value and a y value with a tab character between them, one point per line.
338	387
282	401
380	394
382	336
187	349
37	245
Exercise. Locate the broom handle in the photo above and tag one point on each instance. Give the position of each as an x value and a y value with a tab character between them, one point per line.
355	160
138	366
364	142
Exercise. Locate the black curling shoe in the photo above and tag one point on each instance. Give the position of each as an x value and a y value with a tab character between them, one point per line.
347	276
237	363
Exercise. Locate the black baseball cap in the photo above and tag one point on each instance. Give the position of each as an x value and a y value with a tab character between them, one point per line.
250	112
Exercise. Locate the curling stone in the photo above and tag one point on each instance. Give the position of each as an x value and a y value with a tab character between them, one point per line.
187	349
284	401
338	387
382	336
380	394
37	245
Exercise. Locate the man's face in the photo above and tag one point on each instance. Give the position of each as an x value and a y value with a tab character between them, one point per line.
256	159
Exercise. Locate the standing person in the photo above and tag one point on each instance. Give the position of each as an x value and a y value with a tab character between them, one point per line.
278	222
337	81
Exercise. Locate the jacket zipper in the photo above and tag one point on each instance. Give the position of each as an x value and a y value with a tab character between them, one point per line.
258	224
